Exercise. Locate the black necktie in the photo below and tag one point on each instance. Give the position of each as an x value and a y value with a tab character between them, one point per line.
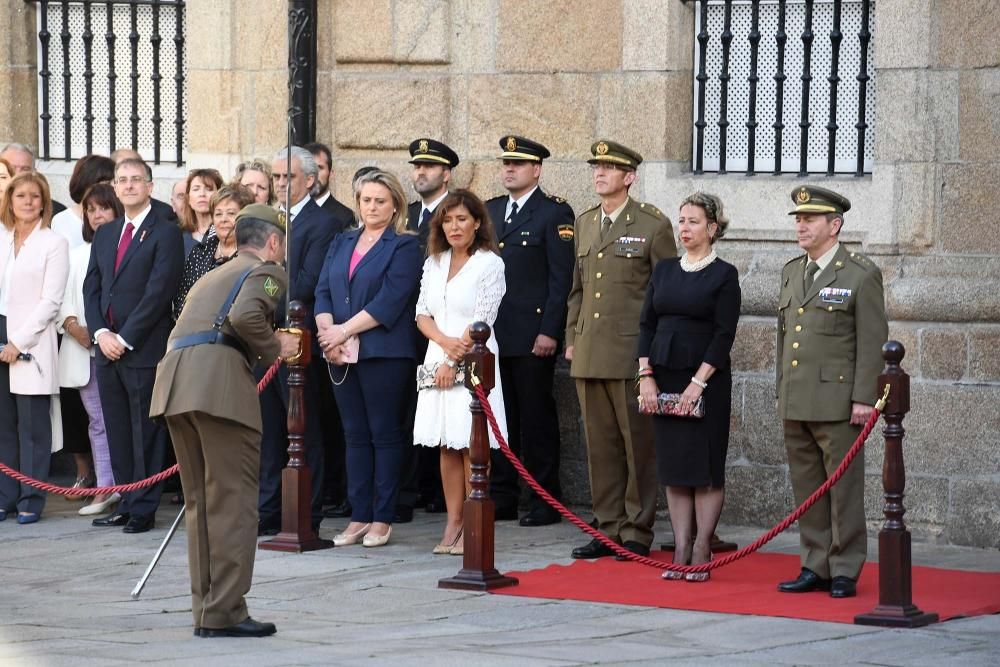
811	269
425	216
510	218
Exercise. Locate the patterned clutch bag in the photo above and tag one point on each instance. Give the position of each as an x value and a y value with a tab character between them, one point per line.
426	373
670	404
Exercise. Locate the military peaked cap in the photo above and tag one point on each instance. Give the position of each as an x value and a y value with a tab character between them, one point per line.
614	153
429	151
519	148
813	199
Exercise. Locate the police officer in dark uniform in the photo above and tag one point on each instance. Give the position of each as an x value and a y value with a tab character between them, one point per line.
535	235
432	164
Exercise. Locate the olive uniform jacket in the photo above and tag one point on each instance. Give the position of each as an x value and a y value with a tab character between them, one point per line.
609	287
829	338
213	378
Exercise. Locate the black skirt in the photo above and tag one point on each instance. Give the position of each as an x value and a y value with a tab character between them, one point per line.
692	452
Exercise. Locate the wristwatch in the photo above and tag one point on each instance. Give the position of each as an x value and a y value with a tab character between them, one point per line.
449	362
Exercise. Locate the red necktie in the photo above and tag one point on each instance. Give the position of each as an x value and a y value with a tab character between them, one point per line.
123	244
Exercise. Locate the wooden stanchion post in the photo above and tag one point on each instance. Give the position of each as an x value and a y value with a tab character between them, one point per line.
895	577
478	572
296	533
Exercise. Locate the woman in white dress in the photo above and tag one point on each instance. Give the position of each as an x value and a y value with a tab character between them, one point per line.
463	282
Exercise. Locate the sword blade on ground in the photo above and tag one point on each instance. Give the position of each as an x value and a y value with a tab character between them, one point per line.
156	557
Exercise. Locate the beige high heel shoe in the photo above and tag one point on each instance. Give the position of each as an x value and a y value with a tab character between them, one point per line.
346	539
377	540
443	549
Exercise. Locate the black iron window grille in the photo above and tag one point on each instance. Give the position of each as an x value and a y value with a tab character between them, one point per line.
784	86
111	75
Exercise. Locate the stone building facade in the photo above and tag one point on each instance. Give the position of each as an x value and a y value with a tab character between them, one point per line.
567	71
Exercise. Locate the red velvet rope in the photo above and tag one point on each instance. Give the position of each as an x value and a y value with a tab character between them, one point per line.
120	488
652	562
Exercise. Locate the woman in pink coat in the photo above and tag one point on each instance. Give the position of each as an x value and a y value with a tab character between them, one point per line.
34	264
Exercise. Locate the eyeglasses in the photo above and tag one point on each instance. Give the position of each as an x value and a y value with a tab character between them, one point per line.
135	180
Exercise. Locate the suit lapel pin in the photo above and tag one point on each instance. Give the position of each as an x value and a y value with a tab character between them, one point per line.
142	236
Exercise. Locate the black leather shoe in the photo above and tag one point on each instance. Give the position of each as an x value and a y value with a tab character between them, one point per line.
594	549
807	582
139	524
635	547
404	514
115	519
338	511
505	513
197	632
437	506
269	526
843	587
248	628
540	516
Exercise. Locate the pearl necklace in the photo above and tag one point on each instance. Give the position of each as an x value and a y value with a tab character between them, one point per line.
690	267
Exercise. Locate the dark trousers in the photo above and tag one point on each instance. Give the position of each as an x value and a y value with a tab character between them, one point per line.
137	444
410	477
374	403
25	441
274	441
532	429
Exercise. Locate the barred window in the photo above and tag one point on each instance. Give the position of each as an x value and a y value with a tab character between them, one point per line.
784	86
111	75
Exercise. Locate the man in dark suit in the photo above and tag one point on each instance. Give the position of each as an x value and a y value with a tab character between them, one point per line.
310	231
535	235
320	191
162	208
135	269
432	162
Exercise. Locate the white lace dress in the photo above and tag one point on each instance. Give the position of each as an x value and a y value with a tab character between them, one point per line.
473	295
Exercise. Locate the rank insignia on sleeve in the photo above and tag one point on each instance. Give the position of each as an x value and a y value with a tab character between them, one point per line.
270	286
565	232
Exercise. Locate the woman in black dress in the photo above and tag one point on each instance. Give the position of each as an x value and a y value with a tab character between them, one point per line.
686	332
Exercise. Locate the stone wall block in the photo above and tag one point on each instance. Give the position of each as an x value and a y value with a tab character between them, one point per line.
943	353
19	35
908	334
756	495
762	428
217	128
979	115
422	31
984	354
967	33
902	117
661	131
576	35
926	500
373	44
657	35
903	30
260	29
474	26
379	113
210	25
951	429
557	110
968	190
19	119
269	120
753	349
949	288
915	204
974	519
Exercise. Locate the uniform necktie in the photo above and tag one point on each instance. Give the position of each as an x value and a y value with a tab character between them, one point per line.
811	269
510	218
425	216
123	244
605	226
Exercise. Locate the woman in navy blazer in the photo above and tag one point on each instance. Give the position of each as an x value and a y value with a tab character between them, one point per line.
366	297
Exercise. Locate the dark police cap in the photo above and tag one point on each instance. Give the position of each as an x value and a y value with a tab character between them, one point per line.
614	153
519	148
264	213
429	151
814	199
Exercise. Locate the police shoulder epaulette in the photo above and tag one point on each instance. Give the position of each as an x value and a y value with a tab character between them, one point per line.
556	198
497	197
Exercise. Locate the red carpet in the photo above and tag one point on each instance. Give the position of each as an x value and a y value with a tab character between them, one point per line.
748	586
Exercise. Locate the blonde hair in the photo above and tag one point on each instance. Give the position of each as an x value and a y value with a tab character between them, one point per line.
7	205
712	206
390	182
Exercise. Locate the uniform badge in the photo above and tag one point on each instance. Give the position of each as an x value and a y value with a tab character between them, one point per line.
602	148
834	295
803	196
565	232
422	147
511	144
271	287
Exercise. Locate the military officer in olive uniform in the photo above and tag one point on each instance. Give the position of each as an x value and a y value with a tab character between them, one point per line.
535	235
617	244
207	394
831	327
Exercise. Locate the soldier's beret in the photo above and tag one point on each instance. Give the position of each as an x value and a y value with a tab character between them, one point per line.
429	151
264	213
814	199
519	148
614	153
